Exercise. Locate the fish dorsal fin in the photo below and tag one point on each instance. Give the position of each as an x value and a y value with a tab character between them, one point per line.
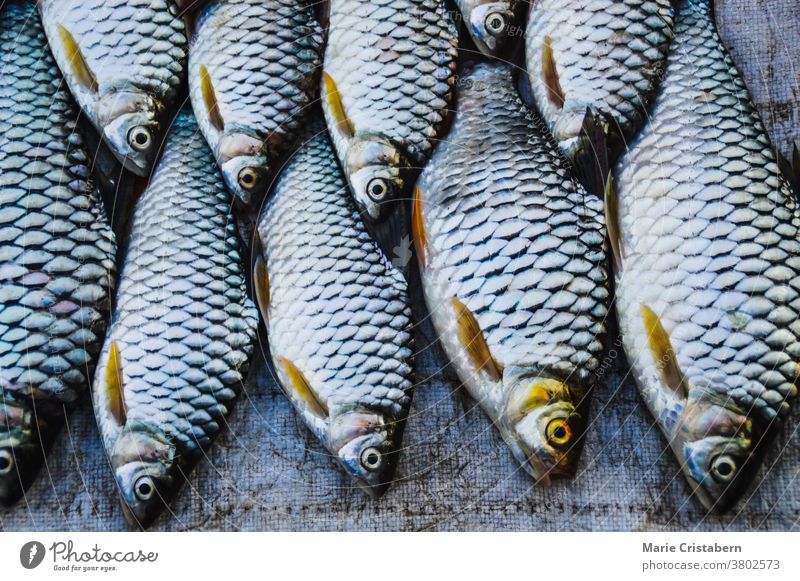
418	230
662	352
115	390
77	62
261	284
550	74
612	222
210	100
301	390
334	98
473	340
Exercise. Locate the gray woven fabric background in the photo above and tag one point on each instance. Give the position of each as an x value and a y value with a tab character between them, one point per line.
268	473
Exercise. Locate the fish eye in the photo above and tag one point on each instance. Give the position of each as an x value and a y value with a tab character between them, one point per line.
371	458
377	189
495	22
558	432
144	488
723	468
248	178
6	462
140	138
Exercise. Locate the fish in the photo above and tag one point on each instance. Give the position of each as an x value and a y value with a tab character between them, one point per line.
124	61
182	331
709	267
337	315
254	70
513	261
489	22
604	57
56	253
388	75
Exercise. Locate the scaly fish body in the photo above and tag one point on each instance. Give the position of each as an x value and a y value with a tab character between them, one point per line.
488	22
253	71
123	61
337	314
603	55
56	252
389	70
182	331
513	264
710	266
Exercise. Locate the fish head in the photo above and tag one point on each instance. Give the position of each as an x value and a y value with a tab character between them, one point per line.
21	451
373	165
245	167
488	26
544	420
364	443
716	444
146	473
129	121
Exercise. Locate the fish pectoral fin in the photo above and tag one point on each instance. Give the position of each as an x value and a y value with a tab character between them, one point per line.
662	352
552	83
115	389
300	390
418	230
210	100
77	62
261	284
474	341
334	98
612	222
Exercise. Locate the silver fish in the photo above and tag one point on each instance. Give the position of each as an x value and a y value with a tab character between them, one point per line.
513	260
337	314
388	79
605	56
254	67
705	232
182	331
489	22
123	61
56	252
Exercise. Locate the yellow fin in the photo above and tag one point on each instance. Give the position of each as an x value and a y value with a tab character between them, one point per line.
612	222
77	61
471	336
210	100
418	230
662	351
550	75
115	391
301	389
261	284
337	107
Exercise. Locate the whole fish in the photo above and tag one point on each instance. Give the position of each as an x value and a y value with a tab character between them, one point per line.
253	72
56	252
182	330
337	315
388	80
123	61
705	232
512	255
489	22
604	56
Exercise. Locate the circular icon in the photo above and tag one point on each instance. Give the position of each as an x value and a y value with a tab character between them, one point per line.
31	554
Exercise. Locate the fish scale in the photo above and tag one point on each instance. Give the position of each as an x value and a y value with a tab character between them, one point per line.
709	241
57	253
264	60
523	250
183	325
337	309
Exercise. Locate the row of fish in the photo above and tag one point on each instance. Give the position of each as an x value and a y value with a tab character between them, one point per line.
515	216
